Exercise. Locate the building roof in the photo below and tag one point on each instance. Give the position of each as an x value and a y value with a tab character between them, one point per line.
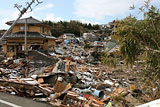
68	34
50	37
30	20
29	35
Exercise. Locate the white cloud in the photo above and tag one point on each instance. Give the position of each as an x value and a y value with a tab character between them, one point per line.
45	7
13	16
8	17
52	17
3	25
99	9
87	22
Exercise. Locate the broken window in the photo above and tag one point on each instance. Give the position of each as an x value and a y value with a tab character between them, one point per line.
43	30
10	49
19	48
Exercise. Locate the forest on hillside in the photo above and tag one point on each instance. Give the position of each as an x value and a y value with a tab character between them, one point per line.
75	27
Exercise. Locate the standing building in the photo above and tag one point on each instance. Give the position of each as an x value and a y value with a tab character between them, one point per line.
38	37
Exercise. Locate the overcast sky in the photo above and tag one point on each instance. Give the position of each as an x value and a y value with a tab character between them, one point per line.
86	11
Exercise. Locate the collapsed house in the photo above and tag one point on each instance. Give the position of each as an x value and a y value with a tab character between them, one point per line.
68	36
38	37
63	77
70	81
90	37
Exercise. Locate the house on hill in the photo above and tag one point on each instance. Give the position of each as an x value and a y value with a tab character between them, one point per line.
68	36
90	37
38	37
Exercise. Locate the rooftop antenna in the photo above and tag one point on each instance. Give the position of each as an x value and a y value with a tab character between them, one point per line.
22	10
38	2
29	7
17	6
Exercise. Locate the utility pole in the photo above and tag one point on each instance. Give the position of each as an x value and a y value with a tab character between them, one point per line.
26	28
22	11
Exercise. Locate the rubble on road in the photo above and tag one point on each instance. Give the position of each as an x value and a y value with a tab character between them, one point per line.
64	78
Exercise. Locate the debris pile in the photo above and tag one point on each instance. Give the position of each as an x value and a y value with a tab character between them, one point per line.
68	81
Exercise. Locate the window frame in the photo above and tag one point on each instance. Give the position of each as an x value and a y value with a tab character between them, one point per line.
22	27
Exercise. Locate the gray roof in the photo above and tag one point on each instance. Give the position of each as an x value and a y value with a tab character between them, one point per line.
22	35
29	35
51	37
69	34
30	20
